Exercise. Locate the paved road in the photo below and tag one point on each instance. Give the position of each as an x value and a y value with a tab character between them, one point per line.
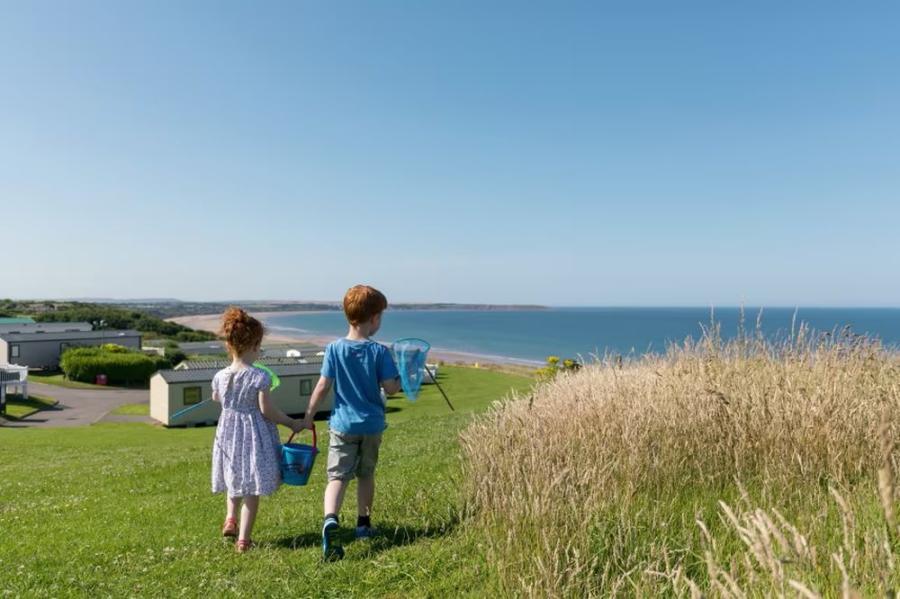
78	407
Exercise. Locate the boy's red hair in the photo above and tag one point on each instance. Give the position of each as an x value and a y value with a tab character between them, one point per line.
362	303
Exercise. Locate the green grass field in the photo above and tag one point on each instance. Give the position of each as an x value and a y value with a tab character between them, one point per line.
125	510
133	409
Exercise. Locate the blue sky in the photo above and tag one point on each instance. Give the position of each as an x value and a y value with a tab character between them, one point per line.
573	153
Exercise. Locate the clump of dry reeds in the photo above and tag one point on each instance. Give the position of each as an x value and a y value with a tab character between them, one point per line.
608	480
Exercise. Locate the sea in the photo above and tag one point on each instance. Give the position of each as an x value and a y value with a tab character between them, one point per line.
530	336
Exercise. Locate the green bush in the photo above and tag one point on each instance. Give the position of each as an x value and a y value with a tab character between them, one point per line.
174	356
189	336
114	348
120	367
554	367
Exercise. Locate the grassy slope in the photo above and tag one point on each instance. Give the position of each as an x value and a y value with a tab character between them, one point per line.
596	487
126	509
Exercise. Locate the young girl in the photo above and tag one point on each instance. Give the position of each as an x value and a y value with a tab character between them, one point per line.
246	453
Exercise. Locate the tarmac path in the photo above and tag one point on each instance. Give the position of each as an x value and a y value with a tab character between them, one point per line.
79	407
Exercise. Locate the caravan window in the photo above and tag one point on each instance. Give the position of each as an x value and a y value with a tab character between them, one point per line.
305	387
191	395
14	350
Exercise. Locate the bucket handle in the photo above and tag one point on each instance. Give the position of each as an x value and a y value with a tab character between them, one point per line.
315	442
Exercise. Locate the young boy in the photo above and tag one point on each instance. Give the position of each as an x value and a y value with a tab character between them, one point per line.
356	366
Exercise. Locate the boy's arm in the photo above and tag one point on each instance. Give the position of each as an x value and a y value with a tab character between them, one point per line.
390	377
391	386
318	394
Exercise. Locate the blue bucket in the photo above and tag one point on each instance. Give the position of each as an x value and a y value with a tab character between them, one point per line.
297	461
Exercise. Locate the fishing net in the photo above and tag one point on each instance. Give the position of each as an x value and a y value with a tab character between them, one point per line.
410	355
275	380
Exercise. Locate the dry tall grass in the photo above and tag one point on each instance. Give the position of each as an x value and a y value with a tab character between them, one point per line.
740	468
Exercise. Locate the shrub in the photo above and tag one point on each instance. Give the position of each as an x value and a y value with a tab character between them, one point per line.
189	336
120	367
114	348
554	367
175	356
738	469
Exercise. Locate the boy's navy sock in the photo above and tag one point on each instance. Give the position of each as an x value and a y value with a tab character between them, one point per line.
335	516
363	521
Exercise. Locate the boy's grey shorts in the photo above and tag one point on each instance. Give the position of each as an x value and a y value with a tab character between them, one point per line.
352	455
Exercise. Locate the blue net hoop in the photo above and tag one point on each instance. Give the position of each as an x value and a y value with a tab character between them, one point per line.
410	355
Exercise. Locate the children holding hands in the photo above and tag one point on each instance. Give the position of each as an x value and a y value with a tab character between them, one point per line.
246	460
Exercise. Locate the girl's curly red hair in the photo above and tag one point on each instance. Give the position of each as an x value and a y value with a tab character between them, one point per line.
242	332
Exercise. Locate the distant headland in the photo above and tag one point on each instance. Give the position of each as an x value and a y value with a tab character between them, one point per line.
171	308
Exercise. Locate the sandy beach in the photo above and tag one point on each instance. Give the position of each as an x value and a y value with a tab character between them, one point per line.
211	323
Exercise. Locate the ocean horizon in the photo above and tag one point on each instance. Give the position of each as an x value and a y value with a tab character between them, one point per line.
530	336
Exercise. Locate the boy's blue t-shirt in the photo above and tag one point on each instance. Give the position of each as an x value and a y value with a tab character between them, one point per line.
358	368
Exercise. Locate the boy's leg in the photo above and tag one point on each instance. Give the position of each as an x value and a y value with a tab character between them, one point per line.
365	495
248	516
334	496
365	490
343	453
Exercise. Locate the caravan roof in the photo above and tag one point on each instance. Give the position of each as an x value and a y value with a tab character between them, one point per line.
201	375
109	335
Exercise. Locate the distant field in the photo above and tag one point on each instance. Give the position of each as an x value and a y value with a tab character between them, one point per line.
125	510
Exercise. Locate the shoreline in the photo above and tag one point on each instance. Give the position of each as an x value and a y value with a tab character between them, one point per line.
286	335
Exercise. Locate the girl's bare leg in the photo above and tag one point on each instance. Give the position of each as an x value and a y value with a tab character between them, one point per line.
232	507
248	516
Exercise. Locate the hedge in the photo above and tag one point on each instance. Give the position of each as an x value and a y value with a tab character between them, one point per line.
120	367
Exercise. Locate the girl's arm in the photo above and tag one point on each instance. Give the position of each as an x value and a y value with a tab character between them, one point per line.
273	414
